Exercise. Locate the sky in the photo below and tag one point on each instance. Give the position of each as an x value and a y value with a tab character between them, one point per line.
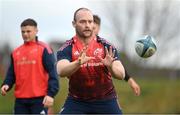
54	18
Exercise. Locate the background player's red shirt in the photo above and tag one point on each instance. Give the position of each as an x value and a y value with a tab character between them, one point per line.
31	77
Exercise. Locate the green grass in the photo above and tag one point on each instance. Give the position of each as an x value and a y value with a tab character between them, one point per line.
6	102
157	96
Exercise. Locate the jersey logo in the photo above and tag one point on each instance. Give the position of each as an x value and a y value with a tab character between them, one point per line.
25	61
76	53
98	52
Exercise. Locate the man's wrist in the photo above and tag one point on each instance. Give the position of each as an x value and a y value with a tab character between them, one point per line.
78	61
127	76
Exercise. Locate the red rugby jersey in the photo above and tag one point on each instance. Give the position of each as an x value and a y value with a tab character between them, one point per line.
92	81
31	77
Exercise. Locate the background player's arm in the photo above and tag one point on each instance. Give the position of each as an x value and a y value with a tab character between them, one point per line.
53	83
9	80
132	83
135	87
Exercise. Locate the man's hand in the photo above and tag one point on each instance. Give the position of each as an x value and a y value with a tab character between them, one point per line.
83	58
135	87
4	89
109	58
48	101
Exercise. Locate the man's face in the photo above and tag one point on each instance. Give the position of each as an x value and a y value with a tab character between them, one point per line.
84	24
29	33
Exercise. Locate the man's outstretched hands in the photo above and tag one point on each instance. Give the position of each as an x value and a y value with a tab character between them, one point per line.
109	58
83	58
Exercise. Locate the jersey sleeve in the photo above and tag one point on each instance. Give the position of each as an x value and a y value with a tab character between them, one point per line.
10	76
117	56
65	53
50	67
108	45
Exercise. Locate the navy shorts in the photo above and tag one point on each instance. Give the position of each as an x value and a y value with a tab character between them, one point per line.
74	106
30	106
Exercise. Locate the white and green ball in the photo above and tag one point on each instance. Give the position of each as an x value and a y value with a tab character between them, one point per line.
146	46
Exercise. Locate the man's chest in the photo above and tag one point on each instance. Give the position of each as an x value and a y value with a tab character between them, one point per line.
93	50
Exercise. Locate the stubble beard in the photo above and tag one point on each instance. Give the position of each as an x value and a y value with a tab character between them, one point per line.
83	35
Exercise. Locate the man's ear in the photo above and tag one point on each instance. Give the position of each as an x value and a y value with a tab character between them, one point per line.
37	30
74	24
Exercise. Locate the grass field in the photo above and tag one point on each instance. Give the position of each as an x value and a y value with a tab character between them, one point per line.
157	96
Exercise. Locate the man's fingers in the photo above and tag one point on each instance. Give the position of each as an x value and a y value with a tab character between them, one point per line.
106	50
113	53
85	48
44	100
48	101
110	51
4	89
137	91
3	92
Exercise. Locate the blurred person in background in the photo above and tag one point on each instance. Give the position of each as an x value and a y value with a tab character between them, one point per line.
135	87
33	71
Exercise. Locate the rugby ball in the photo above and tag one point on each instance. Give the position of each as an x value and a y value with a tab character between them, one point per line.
146	46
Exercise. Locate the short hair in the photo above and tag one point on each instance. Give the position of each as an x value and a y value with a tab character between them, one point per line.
97	19
29	22
75	13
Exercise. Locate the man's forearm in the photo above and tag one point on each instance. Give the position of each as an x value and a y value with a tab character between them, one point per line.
117	70
67	69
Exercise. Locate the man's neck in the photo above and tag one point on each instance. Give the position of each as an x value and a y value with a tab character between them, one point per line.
86	41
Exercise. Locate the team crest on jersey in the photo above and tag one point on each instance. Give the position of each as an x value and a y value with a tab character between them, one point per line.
98	52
